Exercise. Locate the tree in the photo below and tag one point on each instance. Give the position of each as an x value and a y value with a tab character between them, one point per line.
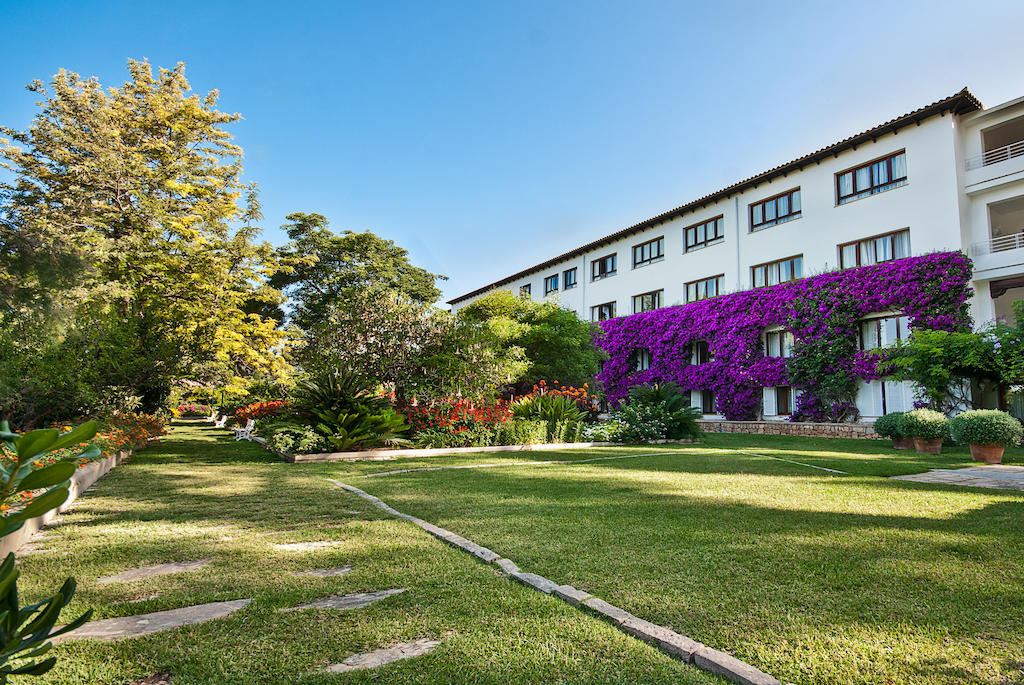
320	269
559	346
127	211
414	349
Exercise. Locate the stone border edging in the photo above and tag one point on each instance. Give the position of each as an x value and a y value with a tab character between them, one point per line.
386	454
688	650
81	481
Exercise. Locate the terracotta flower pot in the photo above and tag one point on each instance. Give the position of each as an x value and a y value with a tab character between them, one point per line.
928	446
902	443
990	454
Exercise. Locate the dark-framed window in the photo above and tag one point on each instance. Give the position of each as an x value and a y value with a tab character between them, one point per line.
875	250
775	210
551	284
569	279
874	177
784	400
703	234
640	359
705	288
702	352
651	251
779	271
778	344
883	331
524	290
602	268
707	402
602	312
646	302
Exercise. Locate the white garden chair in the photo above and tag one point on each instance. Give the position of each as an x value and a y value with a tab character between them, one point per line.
219	423
245	433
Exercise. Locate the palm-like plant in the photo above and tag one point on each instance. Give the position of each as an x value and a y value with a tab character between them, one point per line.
680	418
338	391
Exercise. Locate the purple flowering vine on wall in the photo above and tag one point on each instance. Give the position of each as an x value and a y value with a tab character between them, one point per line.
822	312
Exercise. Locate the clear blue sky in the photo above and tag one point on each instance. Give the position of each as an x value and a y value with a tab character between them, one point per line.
487	136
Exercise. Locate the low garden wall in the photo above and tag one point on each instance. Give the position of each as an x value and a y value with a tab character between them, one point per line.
814	430
81	481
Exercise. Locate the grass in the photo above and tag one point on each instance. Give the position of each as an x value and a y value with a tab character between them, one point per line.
811	576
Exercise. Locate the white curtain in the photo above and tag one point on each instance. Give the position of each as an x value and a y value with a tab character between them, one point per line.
901	244
846	184
899	165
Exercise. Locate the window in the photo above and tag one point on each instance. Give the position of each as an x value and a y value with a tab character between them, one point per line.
701	235
775	210
882	248
647	301
707	402
524	291
551	284
784	400
702	353
651	251
875	177
602	268
569	279
705	288
640	360
778	344
603	312
883	331
773	273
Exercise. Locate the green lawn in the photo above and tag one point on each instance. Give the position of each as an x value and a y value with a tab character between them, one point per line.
811	576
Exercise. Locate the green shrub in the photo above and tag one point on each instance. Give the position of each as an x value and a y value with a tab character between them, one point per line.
338	391
986	427
679	418
521	432
293	439
605	431
926	424
891	426
361	428
566	431
641	423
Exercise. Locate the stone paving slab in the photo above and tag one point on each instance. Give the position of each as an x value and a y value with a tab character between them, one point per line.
537	582
571	595
356	600
155	570
609	611
731	668
325	572
994	476
667	640
380	657
144	624
506	565
303	546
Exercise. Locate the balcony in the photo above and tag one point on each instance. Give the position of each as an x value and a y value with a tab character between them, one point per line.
994	156
1001	161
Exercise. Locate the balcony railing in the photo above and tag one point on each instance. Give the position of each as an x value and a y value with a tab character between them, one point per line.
1000	244
999	154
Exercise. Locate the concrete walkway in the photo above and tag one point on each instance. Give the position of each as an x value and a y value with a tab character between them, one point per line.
996	476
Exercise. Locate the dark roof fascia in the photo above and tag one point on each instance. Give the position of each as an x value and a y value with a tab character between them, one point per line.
962	102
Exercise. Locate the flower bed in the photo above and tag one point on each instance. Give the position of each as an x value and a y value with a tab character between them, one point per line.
823	313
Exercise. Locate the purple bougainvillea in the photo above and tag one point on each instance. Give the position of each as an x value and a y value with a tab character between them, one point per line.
822	312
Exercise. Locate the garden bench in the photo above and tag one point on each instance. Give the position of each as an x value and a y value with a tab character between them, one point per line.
246	432
219	423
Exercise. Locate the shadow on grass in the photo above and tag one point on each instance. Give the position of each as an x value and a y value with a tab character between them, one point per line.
200	442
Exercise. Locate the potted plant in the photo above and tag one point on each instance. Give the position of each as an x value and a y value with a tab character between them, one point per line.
891	426
928	428
987	431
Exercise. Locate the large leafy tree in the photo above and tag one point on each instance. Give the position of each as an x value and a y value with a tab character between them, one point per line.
559	346
127	214
320	270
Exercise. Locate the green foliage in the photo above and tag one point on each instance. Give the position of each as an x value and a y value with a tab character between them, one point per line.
360	429
514	432
560	414
557	343
679	418
605	431
641	423
296	439
338	390
25	631
986	427
926	424
891	426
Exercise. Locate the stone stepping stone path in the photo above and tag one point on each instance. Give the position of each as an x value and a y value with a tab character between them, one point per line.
155	679
680	646
155	570
380	657
303	546
995	476
325	572
356	600
144	624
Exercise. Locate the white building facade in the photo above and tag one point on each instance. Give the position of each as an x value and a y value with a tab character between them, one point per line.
948	176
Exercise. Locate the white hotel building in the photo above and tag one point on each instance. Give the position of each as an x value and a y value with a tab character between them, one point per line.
948	176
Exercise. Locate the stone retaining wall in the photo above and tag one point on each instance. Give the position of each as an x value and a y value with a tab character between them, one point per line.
815	430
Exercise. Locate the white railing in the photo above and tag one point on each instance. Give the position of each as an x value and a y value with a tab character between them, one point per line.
999	154
1000	244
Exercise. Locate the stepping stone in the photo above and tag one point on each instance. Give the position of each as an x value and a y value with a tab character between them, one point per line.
355	600
325	572
144	624
155	679
301	546
30	548
142	599
380	657
352	511
155	570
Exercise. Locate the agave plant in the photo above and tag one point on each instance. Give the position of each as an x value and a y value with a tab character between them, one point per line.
25	631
